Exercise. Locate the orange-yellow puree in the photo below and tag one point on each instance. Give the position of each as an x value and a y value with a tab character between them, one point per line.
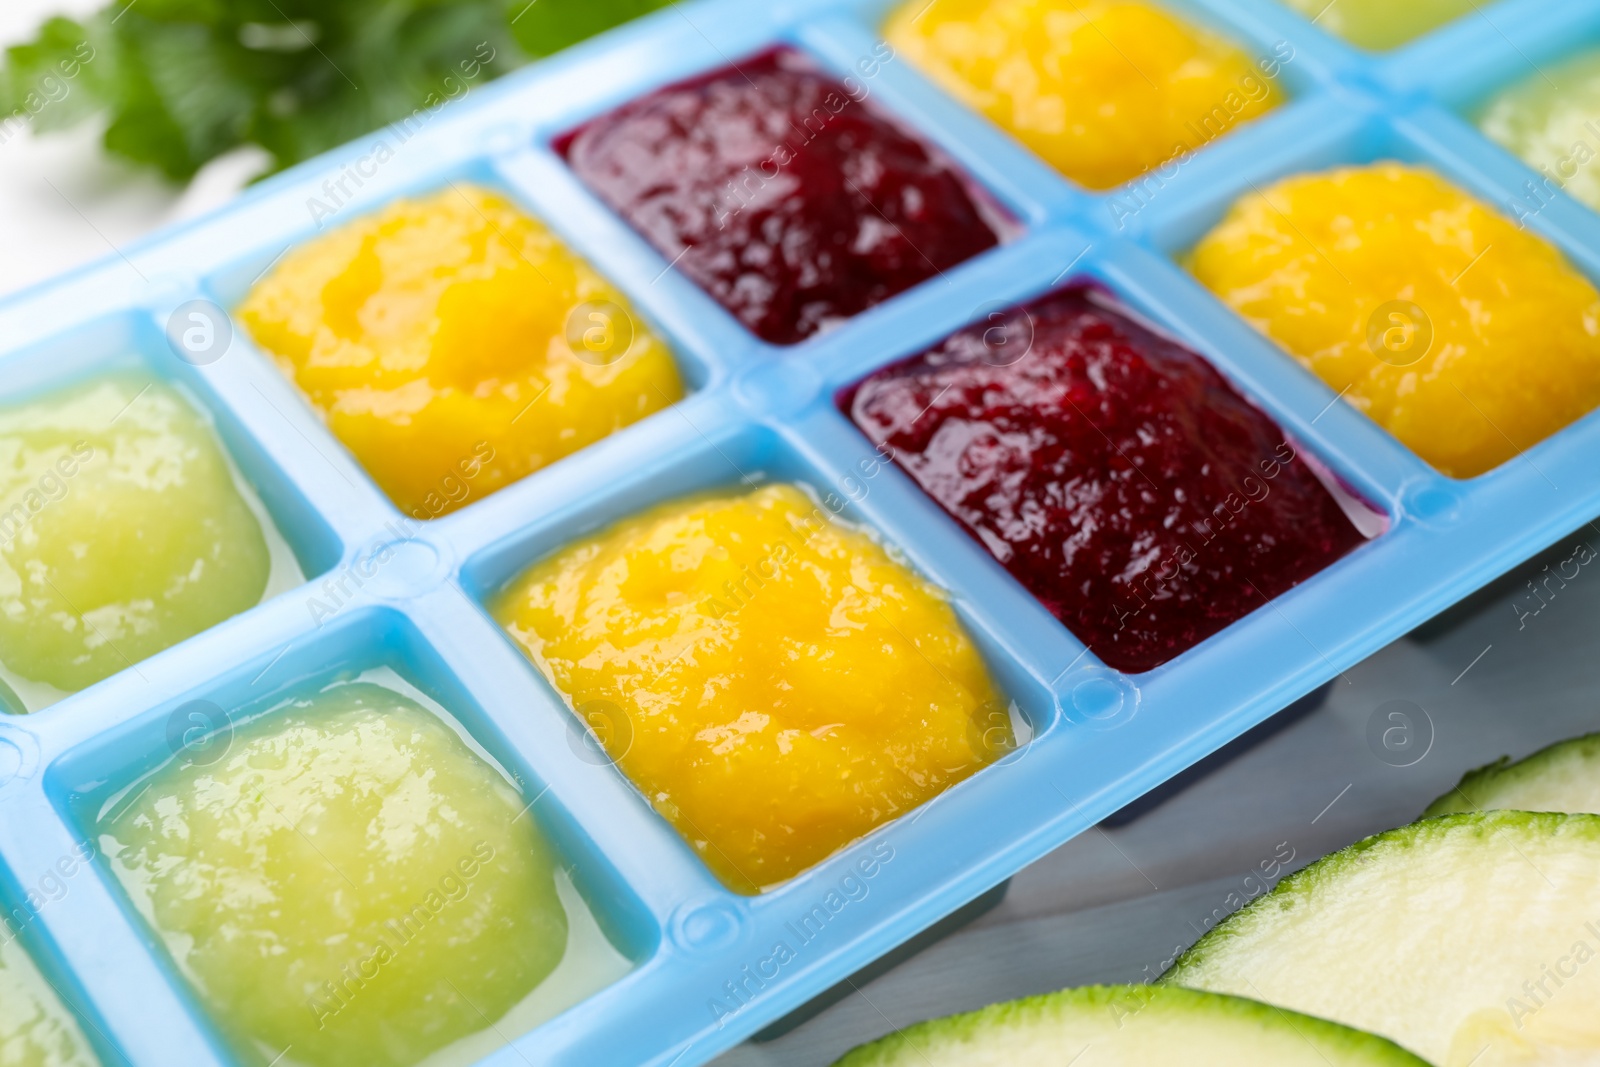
1103	90
772	680
1466	337
433	337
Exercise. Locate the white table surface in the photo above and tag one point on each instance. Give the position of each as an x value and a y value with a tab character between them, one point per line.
1114	902
63	203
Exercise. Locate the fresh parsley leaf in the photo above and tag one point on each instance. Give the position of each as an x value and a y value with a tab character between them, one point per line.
546	26
181	82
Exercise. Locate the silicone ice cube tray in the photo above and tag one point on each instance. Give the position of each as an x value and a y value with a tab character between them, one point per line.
706	969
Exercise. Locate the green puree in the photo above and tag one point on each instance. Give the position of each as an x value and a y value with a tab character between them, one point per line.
1383	24
349	882
36	1030
121	530
1551	120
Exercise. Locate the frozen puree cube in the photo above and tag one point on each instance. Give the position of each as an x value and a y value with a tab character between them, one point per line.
455	345
1468	338
122	530
348	881
1102	90
772	679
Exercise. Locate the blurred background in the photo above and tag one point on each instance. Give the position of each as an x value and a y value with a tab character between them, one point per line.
117	118
140	113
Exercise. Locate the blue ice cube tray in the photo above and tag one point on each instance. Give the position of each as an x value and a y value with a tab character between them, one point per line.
707	970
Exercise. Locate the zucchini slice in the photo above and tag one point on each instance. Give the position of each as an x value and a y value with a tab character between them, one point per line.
1468	939
1129	1026
1564	777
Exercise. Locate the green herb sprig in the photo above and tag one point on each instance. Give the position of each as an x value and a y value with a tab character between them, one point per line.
180	82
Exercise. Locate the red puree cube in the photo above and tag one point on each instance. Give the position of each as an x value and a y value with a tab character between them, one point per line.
1113	472
789	199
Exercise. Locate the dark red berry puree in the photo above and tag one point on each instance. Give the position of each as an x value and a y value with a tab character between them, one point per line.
780	192
1113	472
